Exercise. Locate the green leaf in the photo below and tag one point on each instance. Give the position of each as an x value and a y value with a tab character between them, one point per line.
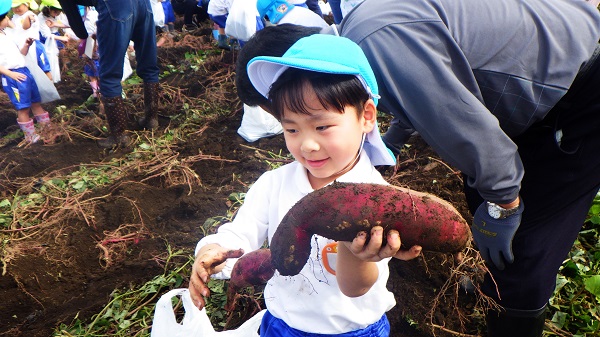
58	182
570	269
559	319
560	282
145	146
5	203
79	185
592	284
34	196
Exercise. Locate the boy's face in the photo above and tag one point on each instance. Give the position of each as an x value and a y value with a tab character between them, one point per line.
55	12
20	9
325	142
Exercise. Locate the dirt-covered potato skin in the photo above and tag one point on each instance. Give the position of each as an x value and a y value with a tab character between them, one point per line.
340	211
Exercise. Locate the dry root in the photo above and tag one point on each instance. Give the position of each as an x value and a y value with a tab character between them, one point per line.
115	243
468	270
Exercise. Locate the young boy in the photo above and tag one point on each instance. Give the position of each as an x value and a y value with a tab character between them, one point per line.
17	81
324	93
218	11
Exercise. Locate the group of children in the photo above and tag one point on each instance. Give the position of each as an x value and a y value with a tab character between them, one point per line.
49	29
269	12
42	36
28	33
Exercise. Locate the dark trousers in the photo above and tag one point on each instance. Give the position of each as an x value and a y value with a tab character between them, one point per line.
559	185
313	5
118	23
189	8
336	10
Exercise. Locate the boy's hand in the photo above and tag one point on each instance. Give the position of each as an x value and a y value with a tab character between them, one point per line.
373	250
29	41
210	260
17	76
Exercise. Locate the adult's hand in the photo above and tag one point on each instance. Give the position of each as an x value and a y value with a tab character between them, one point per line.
494	236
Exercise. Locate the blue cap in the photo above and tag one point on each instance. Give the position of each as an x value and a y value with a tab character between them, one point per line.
319	52
5	6
274	9
325	54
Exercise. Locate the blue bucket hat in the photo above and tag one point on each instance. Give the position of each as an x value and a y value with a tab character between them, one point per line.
5	6
274	9
326	54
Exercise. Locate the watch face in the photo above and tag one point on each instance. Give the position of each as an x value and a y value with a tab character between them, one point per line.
494	211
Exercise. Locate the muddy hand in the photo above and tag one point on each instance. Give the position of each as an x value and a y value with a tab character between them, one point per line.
210	260
375	248
395	240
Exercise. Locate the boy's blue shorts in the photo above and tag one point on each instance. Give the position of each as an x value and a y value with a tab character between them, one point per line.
169	13
21	94
219	20
42	58
272	326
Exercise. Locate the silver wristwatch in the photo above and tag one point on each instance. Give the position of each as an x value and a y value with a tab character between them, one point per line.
499	212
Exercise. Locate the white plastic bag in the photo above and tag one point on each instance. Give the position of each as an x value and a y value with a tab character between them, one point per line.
195	322
257	123
127	70
48	92
158	12
241	20
52	53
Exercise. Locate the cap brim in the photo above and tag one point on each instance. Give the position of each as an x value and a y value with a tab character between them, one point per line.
263	71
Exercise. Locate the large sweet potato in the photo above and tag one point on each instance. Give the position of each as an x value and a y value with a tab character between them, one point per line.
341	210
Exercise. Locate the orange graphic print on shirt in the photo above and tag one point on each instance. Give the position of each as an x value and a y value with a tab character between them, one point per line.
329	254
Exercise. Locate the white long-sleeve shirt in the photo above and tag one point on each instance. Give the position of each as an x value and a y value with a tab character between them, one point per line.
10	55
46	31
310	301
219	7
21	33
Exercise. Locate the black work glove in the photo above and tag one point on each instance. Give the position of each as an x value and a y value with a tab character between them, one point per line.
494	236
